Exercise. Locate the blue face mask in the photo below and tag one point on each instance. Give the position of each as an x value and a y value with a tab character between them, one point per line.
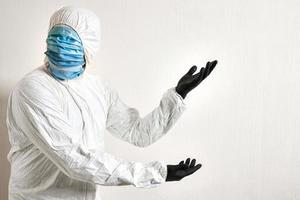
65	53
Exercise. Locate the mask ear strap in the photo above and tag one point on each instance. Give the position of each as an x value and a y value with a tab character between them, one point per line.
84	62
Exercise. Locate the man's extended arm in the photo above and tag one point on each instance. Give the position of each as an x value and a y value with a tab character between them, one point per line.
126	123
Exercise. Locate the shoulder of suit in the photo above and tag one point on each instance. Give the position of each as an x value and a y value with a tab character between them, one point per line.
38	79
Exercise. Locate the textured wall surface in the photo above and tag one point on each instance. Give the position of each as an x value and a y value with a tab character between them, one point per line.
242	123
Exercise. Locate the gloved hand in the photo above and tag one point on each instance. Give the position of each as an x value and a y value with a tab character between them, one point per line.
190	81
177	172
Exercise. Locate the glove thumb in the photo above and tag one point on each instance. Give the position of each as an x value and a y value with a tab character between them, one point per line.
191	70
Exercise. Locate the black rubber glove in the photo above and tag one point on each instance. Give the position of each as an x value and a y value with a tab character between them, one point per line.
177	172
190	81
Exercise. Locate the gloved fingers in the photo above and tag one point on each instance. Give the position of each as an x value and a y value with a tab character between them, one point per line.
207	64
191	70
204	72
187	162
193	169
183	167
181	162
199	75
193	163
212	66
215	62
207	69
195	77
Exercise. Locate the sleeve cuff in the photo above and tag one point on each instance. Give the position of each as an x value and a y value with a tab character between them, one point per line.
176	93
160	174
171	92
163	171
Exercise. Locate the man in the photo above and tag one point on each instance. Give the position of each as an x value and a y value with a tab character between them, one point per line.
57	114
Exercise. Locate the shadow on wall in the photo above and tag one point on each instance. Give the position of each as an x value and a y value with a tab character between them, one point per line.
4	146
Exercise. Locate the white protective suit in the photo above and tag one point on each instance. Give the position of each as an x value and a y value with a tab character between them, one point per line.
56	129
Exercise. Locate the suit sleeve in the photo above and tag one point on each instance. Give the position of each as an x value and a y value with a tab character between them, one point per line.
126	123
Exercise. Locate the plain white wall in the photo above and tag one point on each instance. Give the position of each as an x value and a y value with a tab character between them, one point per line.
242	122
